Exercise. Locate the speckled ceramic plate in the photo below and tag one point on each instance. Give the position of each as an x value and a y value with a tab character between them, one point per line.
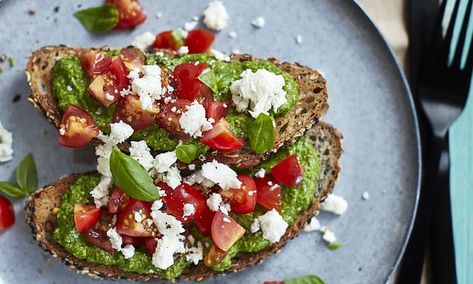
369	103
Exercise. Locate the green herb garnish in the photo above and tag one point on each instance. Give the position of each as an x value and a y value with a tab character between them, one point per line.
334	246
26	179
261	134
306	279
11	61
210	80
99	19
186	153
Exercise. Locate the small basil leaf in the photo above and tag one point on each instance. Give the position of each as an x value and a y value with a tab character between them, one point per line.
187	153
26	175
306	279
261	134
210	80
131	177
11	190
178	37
334	246
98	19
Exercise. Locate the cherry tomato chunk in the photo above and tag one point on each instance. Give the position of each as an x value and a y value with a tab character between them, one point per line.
269	193
204	221
225	231
130	13
221	138
118	201
242	200
133	220
215	256
166	40
99	239
288	171
199	41
132	57
133	240
218	109
7	215
184	195
186	76
94	62
129	110
151	243
85	216
78	127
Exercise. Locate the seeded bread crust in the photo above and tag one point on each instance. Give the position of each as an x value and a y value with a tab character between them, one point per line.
310	107
41	210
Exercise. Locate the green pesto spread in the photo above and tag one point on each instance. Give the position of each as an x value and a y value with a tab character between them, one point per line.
70	83
294	200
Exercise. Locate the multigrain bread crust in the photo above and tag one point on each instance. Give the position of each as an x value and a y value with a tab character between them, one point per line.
41	209
310	107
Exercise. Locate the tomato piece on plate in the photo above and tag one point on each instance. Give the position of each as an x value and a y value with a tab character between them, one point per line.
288	171
186	76
151	243
204	221
130	13
242	200
221	138
7	214
166	40
94	62
132	57
78	127
176	200
170	115
99	238
199	41
215	256
269	193
218	109
128	223
225	231
118	201
129	110
85	216
133	240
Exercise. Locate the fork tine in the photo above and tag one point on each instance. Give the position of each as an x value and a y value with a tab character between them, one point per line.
444	43
469	60
456	63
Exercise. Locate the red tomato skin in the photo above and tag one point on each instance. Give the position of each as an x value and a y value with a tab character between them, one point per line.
218	109
85	216
242	200
199	41
221	138
133	240
99	239
288	172
165	40
269	196
94	62
126	224
130	12
120	77
169	119
204	221
79	127
151	243
175	200
118	201
132	58
129	111
225	231
7	214
187	81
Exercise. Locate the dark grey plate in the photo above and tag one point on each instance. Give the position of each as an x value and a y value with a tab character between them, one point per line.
369	100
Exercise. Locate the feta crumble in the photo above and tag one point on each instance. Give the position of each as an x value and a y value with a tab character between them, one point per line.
195	254
232	34
272	225
101	192
6	143
163	162
260	174
313	225
329	237
188	209
221	174
259	91
255	226
214	201
183	50
157	204
173	177
258	22
220	55
128	251
299	39
190	25
334	204
193	121
115	239
138	217
143	41
365	195
141	152
119	132
216	16
148	86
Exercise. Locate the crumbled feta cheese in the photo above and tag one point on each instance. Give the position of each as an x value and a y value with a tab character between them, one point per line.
232	34
109	97
260	174
163	162
157	204
259	22
6	143
214	201
191	167
166	247
183	50
272	225
216	16
166	224
143	41
141	152
195	254
220	55
173	177
221	174
159	15
260	91
312	225
119	132
365	195
236	51
101	192
195	18
115	239
200	179
334	204
255	226
190	25
329	237
193	121
138	217
299	39
103	161
69	88
148	86
188	209
128	251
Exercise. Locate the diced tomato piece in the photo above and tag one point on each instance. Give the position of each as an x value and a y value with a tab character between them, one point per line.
221	138
225	231
133	240
170	115
118	201
269	193
132	57
199	41
129	225
151	243
85	216
204	221
218	109
120	78
215	256
101	88
130	12
242	200
129	110
288	171
94	62
205	96
7	214
187	80
166	40
176	199
99	239
78	127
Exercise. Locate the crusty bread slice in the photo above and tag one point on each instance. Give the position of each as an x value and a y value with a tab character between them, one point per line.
311	106
41	209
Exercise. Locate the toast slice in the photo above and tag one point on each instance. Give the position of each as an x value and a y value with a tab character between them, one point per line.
41	209
311	106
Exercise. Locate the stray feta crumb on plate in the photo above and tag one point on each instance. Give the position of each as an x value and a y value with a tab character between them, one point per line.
190	26
143	41
220	55
259	22
299	39
365	195
6	143
312	225
335	204
216	16
329	237
232	34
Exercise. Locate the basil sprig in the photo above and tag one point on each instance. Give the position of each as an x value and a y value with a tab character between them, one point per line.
210	80
99	19
131	177
187	153
26	179
261	134
306	279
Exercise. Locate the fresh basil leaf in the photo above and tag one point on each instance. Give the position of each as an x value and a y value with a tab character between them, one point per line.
210	80
261	134
187	153
131	177
26	175
11	190
178	37
334	246
98	19
306	279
